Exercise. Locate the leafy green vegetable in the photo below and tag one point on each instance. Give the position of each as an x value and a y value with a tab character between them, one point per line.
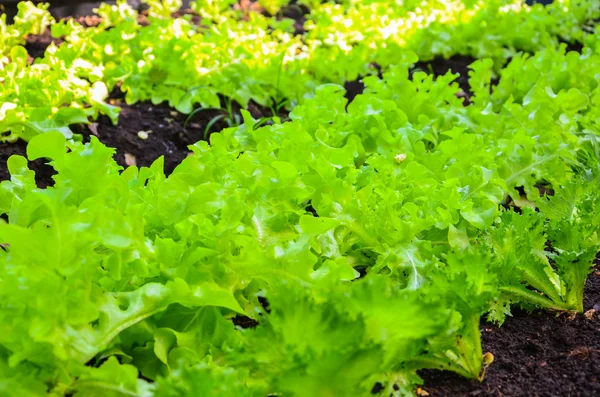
257	58
154	266
569	222
364	241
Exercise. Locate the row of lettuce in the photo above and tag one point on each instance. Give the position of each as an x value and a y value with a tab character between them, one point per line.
367	240
245	56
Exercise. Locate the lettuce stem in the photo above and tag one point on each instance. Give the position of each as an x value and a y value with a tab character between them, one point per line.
538	300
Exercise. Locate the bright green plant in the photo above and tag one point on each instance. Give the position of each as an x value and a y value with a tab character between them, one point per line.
273	6
363	239
163	8
154	268
30	19
260	58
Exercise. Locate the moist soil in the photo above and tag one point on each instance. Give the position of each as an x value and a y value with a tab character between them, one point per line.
43	172
455	64
36	45
353	88
536	354
169	134
298	13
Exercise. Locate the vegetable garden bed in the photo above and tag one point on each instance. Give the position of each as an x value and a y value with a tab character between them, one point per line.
359	220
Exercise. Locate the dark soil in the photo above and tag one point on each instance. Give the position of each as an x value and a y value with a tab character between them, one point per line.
193	16
298	13
166	135
244	322
574	46
455	64
43	172
170	136
353	88
539	354
36	44
293	10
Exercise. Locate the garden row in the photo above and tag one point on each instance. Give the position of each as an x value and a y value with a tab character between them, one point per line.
235	56
337	253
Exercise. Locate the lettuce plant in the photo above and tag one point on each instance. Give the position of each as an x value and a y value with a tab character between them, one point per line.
363	241
258	58
373	236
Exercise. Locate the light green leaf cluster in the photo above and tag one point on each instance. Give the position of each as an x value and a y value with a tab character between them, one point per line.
248	57
30	19
376	238
374	31
365	240
214	10
163	8
273	6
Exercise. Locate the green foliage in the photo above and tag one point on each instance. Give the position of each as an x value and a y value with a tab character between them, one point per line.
246	56
341	339
163	8
273	6
365	240
152	268
30	19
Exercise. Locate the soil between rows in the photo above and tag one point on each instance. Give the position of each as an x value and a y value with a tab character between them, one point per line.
170	134
535	354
